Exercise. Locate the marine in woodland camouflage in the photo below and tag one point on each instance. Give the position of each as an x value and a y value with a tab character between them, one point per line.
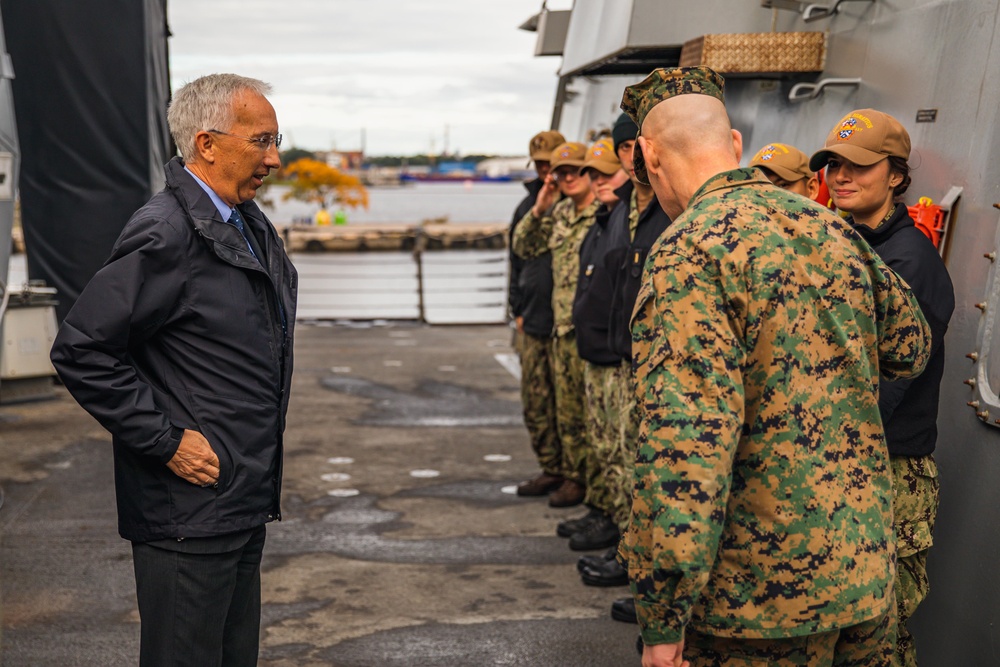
762	501
562	233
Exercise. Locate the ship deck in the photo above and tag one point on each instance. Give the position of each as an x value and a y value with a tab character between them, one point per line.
401	543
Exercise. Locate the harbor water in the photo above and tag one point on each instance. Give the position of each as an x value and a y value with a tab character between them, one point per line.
465	201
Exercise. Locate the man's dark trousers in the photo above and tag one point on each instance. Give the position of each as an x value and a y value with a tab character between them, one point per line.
199	601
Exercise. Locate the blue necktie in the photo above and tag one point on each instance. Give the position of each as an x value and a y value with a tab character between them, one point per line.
236	220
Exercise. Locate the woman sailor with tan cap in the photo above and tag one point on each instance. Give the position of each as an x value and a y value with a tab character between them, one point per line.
865	157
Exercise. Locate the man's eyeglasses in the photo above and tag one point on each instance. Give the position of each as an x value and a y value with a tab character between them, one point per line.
263	142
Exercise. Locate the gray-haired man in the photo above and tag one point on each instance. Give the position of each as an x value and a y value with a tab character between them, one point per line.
181	346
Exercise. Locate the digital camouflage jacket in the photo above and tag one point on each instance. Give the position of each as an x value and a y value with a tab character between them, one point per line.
762	502
561	233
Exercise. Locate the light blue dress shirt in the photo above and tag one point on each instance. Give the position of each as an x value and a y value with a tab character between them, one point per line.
225	210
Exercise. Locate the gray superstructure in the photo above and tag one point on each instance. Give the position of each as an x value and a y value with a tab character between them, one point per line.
8	170
936	60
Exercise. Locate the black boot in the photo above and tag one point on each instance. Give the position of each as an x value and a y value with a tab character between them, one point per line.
569	527
623	610
591	560
600	534
610	573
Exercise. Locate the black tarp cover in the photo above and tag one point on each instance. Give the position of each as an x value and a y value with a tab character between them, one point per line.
90	94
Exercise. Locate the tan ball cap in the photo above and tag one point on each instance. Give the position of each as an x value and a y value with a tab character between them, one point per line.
541	145
864	137
788	162
571	153
602	157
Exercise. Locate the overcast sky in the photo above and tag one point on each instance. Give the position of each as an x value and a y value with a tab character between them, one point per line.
401	69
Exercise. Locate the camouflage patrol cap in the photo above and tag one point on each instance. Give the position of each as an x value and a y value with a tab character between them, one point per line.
602	157
541	145
640	98
788	162
864	137
570	153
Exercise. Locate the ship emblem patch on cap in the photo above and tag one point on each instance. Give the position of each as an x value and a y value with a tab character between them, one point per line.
769	152
850	125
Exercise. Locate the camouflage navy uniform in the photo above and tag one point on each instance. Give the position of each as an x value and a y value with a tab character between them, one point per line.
610	403
915	502
531	300
762	502
538	401
603	369
561	233
656	220
614	402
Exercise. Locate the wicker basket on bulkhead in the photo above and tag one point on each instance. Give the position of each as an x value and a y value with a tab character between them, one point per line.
757	52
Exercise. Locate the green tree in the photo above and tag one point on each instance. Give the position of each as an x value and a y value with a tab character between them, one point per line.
293	154
319	183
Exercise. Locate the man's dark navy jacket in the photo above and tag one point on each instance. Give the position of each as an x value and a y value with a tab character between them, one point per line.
182	329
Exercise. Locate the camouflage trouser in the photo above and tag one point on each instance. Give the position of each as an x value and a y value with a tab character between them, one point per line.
630	445
915	489
539	402
567	375
867	644
604	389
611	431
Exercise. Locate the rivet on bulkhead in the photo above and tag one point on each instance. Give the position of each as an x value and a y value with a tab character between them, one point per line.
972	355
971	382
981	306
973	404
984	415
992	256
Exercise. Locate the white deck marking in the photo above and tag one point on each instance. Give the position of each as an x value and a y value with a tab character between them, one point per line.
511	362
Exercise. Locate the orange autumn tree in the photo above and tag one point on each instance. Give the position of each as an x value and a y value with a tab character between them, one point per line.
319	183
